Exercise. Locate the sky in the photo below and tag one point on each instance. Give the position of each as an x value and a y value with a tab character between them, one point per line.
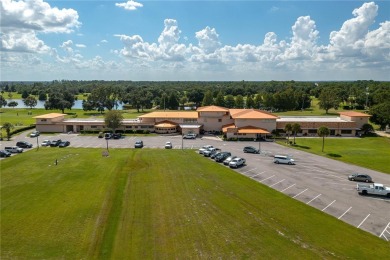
220	40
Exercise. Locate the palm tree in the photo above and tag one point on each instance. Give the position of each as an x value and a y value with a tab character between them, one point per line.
322	132
296	128
8	126
288	129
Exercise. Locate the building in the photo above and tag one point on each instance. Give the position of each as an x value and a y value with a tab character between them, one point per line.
233	123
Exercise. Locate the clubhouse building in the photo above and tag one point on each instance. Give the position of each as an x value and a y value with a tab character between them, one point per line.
233	123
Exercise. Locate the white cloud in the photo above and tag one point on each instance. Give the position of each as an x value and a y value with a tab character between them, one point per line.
22	21
208	39
79	45
129	5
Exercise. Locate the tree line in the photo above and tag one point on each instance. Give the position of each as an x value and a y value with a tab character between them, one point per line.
271	96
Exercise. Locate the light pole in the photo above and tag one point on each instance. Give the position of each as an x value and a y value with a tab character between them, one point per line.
259	144
37	142
107	143
182	140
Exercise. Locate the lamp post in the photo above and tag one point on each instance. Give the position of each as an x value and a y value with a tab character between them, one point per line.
259	144
107	143
37	142
182	140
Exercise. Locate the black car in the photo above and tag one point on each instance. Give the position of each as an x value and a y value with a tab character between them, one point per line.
222	156
139	144
250	149
117	136
55	143
23	144
4	153
64	144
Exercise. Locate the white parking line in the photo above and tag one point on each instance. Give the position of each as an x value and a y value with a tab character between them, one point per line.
288	187
344	213
257	174
249	170
277	183
267	178
313	198
363	220
328	205
385	230
300	193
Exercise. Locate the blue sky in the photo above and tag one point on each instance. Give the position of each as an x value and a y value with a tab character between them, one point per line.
195	40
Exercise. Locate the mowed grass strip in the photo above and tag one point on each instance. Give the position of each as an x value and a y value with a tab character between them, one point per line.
368	152
158	204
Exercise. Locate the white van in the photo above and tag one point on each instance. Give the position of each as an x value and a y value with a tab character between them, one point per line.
283	159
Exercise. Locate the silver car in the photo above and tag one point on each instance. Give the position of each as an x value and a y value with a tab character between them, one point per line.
359	177
229	159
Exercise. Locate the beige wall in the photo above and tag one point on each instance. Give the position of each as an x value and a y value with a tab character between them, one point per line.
359	120
45	128
214	123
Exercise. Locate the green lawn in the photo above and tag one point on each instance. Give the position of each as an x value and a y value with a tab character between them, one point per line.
153	204
368	152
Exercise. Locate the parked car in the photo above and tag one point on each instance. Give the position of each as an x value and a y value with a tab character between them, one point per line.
283	159
229	159
101	135
189	136
250	149
204	148
55	143
13	149
213	155
168	145
222	156
45	143
107	135
211	151
139	144
237	162
117	136
360	177
373	189
24	144
4	153
35	134
64	144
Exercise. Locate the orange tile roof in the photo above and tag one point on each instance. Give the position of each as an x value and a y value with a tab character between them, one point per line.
353	113
50	115
245	129
251	114
252	130
212	109
165	124
170	114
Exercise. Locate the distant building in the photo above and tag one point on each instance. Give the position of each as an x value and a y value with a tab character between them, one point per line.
233	123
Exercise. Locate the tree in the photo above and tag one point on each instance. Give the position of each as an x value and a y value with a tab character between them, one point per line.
58	100
183	100
328	99
229	101
208	99
113	119
367	128
220	99
288	129
381	114
3	102
42	96
322	132
250	103
239	102
296	128
8	126
25	94
13	104
172	103
30	102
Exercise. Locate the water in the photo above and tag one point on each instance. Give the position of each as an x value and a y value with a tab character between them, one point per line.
78	104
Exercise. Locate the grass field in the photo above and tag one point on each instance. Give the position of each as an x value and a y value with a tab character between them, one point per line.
350	150
154	204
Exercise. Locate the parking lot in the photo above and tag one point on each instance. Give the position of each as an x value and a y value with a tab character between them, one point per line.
314	180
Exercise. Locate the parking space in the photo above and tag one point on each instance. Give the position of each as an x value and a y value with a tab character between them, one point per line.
316	181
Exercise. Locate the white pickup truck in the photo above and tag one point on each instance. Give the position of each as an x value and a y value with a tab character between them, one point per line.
13	149
374	189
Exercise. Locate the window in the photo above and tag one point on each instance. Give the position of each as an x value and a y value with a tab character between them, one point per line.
43	120
312	131
93	126
346	131
219	120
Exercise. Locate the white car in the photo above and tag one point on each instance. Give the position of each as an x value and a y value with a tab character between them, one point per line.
35	134
46	143
204	148
237	162
168	145
229	159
